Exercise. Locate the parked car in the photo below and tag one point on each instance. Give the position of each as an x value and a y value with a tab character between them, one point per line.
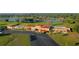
3	30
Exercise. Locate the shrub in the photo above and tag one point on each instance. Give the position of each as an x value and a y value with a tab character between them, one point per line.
76	28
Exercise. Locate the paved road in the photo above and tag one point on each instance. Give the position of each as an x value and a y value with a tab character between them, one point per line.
41	39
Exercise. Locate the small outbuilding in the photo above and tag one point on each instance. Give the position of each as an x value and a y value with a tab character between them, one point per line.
61	29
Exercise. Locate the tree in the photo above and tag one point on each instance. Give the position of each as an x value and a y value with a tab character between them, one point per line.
76	27
69	20
3	27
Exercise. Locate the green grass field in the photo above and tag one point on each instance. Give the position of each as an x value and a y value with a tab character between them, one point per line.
70	40
7	23
3	23
15	40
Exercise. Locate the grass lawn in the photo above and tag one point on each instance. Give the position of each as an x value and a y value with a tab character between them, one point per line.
21	23
7	23
68	40
57	23
36	23
15	40
4	39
